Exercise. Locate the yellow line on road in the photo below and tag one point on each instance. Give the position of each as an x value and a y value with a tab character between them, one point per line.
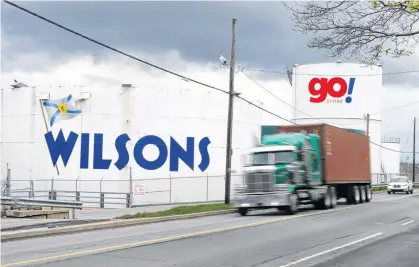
169	238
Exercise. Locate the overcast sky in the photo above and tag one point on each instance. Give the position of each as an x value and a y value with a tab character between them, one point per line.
199	31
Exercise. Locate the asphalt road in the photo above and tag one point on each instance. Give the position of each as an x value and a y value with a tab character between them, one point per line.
382	233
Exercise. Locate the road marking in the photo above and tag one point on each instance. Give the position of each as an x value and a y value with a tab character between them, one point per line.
409	222
169	238
330	250
392	199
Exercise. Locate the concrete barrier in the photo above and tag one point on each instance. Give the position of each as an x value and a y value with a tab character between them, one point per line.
38	214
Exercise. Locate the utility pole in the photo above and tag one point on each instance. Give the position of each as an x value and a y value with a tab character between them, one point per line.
368	124
230	115
414	148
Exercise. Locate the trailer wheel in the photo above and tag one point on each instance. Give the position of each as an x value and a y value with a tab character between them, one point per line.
368	193
362	195
356	194
353	195
243	211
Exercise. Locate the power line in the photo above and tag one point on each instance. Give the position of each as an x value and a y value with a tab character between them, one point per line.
261	86
396	107
267	111
168	71
403	152
342	75
138	59
382	111
111	48
289	105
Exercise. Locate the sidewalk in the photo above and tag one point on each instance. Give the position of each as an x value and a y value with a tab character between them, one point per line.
87	215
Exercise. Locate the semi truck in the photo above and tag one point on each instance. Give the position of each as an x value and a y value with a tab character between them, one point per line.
297	165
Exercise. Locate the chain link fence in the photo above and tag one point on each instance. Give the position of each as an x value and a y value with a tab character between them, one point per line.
112	193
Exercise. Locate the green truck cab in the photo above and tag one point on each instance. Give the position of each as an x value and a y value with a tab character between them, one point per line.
287	169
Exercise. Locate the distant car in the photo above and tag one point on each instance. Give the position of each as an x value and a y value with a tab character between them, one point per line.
400	184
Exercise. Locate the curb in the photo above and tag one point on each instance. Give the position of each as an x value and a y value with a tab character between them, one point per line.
106	225
65	222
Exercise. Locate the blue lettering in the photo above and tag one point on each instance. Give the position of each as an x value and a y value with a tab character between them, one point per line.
98	161
84	151
121	147
177	152
138	152
203	150
60	147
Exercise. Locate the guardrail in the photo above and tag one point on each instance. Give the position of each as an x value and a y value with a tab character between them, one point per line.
415	184
133	192
28	202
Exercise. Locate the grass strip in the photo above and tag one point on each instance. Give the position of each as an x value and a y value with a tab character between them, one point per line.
177	211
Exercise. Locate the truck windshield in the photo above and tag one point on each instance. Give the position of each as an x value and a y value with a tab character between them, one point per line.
280	157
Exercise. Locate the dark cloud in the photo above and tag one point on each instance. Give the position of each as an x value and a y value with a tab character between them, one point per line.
199	30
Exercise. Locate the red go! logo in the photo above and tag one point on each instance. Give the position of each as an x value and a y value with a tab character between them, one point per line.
336	87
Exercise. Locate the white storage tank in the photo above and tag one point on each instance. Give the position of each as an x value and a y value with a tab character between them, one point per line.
341	94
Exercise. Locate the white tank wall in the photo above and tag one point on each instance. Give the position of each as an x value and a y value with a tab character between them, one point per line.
366	97
164	112
391	159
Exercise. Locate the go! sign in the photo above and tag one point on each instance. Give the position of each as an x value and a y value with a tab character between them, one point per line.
336	87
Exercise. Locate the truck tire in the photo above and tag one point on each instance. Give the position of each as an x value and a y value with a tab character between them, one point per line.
362	194
324	202
243	211
333	196
368	193
356	195
349	195
353	195
293	207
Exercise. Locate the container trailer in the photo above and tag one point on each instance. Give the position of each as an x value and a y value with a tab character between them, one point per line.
304	164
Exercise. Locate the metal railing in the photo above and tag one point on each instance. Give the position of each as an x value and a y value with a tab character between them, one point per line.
27	202
390	140
119	193
132	192
377	178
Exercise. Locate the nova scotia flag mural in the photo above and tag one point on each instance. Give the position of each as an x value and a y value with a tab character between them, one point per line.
61	109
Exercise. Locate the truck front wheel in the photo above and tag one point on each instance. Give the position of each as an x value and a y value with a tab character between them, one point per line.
293	204
243	211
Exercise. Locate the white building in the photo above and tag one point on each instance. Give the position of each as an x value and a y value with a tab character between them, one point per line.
171	114
179	112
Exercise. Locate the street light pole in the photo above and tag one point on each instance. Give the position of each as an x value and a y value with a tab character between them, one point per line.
414	149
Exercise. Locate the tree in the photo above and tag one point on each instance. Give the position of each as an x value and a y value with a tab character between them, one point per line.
366	30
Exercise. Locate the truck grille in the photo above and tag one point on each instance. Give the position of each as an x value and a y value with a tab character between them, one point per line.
259	182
